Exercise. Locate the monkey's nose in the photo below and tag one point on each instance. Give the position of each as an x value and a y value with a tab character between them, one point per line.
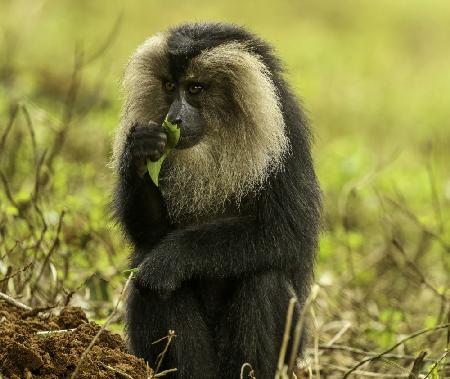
174	120
174	115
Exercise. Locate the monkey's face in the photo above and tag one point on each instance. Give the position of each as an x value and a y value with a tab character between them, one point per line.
226	104
185	98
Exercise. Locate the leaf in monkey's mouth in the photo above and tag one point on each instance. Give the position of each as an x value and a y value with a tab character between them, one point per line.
173	136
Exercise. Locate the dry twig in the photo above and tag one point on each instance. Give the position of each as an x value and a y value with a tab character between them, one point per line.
286	334
14	302
96	337
401	342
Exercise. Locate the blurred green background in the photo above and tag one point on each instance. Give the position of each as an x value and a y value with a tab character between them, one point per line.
374	77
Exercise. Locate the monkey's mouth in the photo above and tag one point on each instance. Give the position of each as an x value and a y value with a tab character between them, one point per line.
188	141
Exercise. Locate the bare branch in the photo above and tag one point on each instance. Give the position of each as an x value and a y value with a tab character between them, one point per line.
12	118
417	365
161	355
30	126
298	331
96	337
286	334
14	302
112	35
49	254
401	342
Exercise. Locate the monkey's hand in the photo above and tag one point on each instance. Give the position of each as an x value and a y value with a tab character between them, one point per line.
144	142
160	271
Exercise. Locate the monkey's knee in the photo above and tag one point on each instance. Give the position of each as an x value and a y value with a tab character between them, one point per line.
150	317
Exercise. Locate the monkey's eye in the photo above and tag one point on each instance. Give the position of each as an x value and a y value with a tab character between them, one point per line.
169	86
195	89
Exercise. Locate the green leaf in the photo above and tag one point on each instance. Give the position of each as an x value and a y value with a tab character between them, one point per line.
127	273
173	136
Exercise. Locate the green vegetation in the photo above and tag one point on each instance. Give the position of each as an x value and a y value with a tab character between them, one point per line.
375	79
173	136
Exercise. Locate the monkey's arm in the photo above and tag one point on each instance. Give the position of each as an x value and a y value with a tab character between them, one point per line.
138	203
223	249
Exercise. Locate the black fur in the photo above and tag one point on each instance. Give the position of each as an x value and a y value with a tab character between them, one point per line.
223	286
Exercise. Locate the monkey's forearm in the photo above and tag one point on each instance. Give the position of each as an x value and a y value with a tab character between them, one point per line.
223	249
231	248
140	208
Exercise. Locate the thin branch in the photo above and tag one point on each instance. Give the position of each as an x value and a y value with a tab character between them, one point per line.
161	355
437	363
165	372
96	337
414	218
369	374
10	276
417	365
434	194
251	374
12	118
354	350
119	373
30	126
37	180
286	334
401	342
69	108
298	331
112	35
417	271
49	254
14	302
10	197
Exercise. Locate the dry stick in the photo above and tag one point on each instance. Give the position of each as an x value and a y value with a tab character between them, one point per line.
371	374
14	302
96	337
12	275
4	282
12	118
10	197
251	374
354	350
80	64
417	365
436	364
339	334
414	218
49	254
112	35
37	180
316	343
402	341
434	193
298	331
421	276
69	109
164	373
117	371
286	334
161	355
48	333
30	126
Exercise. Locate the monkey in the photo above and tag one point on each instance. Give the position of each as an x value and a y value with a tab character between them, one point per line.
231	232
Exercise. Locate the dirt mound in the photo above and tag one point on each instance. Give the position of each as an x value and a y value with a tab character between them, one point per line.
25	353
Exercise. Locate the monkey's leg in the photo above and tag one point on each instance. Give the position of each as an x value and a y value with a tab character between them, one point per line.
150	317
252	326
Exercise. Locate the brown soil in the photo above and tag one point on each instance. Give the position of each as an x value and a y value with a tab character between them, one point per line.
24	354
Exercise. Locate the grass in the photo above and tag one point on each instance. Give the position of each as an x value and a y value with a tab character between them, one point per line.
375	80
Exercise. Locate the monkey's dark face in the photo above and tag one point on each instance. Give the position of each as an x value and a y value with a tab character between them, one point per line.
184	98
